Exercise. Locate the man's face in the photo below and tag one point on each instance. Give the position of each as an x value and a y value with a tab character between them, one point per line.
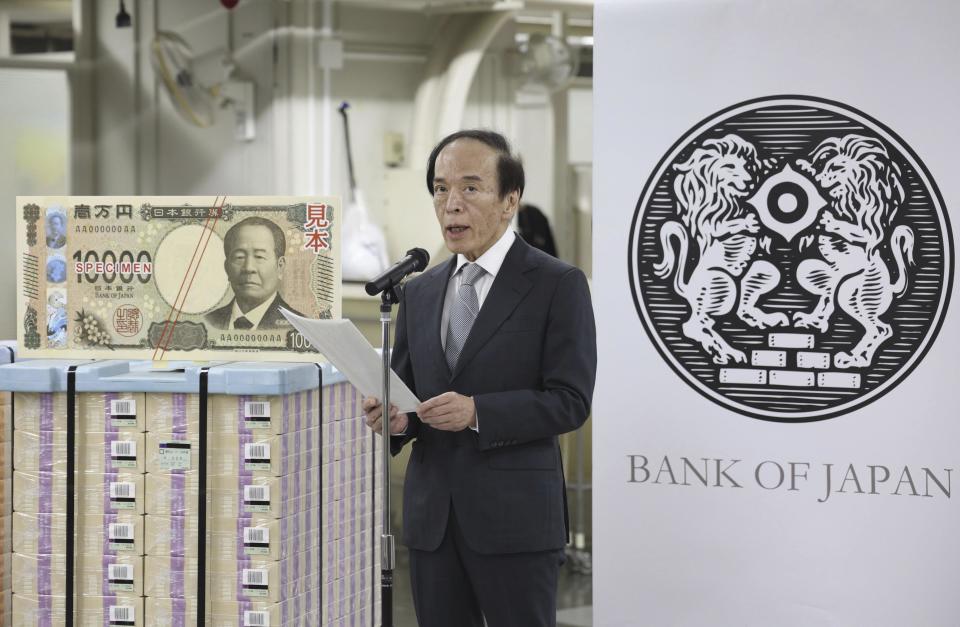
252	265
466	197
56	225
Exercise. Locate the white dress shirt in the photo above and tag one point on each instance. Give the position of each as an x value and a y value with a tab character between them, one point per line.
255	315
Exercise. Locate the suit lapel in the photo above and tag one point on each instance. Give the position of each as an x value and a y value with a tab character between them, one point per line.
507	291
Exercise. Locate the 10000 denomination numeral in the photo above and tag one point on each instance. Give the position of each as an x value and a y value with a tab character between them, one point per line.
109	266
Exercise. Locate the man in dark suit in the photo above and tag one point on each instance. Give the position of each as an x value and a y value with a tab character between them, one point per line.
254	250
501	342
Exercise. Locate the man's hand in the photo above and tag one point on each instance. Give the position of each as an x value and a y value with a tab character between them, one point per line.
449	412
373	410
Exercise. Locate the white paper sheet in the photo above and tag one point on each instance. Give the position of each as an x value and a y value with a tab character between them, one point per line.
346	348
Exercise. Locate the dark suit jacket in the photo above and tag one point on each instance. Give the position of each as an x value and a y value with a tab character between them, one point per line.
530	365
272	319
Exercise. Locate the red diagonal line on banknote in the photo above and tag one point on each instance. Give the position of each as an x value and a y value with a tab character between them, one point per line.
205	235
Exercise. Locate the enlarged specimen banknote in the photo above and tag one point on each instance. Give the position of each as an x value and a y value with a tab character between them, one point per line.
185	277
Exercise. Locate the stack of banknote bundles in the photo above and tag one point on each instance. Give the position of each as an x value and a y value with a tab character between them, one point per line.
263	561
291	527
352	511
99	560
7	355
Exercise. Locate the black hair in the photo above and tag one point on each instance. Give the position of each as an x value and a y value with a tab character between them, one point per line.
509	167
279	241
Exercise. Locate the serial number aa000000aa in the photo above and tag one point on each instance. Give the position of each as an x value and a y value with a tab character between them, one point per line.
261	338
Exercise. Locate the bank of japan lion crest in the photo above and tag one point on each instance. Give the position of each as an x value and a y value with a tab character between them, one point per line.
791	258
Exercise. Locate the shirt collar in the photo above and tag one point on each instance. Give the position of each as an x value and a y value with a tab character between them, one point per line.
255	315
493	258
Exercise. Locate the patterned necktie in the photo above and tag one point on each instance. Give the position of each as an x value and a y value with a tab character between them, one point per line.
462	313
242	323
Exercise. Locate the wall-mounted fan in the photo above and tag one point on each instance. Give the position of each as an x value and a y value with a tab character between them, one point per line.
196	93
544	60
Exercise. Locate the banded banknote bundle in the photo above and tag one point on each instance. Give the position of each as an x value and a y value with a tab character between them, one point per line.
136	277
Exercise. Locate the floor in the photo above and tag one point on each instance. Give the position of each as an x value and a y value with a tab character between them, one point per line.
574	596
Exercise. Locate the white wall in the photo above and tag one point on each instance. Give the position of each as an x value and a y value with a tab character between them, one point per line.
34	149
381	94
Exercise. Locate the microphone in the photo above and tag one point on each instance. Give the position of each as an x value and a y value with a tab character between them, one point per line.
416	260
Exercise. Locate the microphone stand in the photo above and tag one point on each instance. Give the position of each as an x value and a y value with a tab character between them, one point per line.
388	298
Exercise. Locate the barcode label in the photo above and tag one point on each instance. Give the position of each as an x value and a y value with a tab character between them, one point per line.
120	531
259	450
256	498
256	456
123	448
122	615
256	541
120	572
122	490
254	577
256	493
127	407
256	619
120	577
123	454
256	535
256	409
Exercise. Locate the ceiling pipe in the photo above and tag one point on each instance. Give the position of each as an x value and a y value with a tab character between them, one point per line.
451	66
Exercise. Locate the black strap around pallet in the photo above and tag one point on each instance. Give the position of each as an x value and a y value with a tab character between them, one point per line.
202	503
71	487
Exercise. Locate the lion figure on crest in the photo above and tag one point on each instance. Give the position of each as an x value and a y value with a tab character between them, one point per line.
709	188
865	192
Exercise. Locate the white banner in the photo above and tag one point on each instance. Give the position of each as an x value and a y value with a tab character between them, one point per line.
776	411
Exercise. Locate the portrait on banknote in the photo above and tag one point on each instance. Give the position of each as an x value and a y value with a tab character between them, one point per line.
254	259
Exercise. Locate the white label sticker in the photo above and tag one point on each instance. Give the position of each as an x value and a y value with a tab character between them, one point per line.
256	535
255	582
125	407
122	490
256	409
257	450
120	536
123	495
123	448
122	615
123	413
256	456
174	455
255	577
120	531
256	498
120	577
256	619
256	540
123	454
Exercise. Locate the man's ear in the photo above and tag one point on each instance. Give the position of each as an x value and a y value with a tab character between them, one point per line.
513	203
281	262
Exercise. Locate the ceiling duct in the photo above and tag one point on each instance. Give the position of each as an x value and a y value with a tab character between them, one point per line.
473	6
